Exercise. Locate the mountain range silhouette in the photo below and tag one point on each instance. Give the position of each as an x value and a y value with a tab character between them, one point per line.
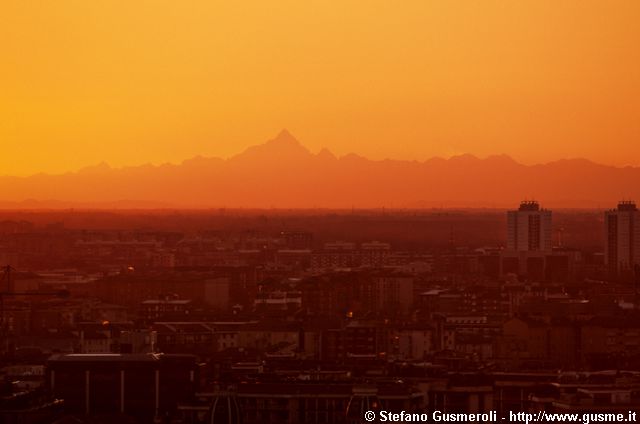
282	173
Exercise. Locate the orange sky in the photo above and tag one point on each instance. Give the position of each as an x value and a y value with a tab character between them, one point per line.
130	82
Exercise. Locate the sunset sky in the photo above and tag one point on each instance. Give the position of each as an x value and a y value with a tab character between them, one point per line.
131	82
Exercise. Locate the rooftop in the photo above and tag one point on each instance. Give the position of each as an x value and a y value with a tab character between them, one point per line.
529	205
627	205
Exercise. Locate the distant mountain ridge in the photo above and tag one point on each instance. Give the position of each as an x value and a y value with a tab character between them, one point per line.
282	173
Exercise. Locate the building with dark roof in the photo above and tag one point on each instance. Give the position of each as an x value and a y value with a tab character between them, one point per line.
138	385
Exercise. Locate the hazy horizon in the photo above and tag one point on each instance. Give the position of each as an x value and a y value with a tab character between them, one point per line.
283	173
412	105
132	83
323	150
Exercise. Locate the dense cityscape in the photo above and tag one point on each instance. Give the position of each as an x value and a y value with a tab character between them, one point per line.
283	322
319	212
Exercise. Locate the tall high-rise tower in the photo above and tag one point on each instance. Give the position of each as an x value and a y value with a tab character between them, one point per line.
529	228
622	241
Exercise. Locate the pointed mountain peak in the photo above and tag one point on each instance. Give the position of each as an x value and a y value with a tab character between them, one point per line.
284	144
284	137
325	153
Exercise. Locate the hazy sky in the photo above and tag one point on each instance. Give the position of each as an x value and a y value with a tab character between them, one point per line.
130	82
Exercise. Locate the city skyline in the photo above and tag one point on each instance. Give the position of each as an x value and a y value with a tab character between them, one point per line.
319	212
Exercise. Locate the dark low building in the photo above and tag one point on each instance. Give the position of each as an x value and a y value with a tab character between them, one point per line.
142	386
